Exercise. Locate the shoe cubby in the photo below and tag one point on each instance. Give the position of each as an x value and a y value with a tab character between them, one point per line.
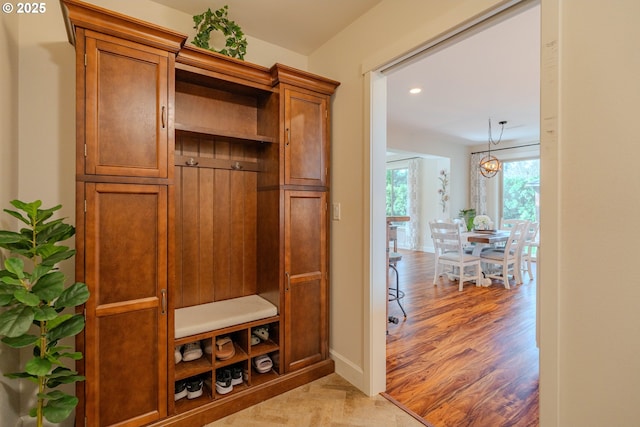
231	379
208	366
198	392
270	343
260	375
191	365
239	341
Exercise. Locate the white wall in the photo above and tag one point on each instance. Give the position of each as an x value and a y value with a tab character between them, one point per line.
458	155
598	334
9	30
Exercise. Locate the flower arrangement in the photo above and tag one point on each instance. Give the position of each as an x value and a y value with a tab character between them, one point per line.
482	222
442	191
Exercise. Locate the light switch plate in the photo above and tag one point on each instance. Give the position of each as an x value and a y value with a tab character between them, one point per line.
335	211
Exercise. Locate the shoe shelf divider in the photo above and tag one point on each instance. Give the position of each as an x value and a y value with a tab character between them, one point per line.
207	365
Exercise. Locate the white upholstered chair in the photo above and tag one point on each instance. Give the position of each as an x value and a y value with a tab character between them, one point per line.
508	259
449	251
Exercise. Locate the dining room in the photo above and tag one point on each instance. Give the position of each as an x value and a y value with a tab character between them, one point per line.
464	357
462	354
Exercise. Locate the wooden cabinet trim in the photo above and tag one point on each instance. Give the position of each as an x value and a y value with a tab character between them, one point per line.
78	14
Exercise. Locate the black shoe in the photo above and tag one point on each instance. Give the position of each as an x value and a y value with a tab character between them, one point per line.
236	375
180	389
194	388
223	381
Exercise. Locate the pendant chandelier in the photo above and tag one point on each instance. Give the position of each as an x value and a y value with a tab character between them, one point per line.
490	165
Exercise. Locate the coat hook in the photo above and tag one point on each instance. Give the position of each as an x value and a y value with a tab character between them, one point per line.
191	162
236	166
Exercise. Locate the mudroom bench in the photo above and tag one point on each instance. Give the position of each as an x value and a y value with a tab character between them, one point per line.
215	327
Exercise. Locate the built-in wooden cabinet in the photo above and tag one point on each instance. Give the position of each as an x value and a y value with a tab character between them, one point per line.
125	251
200	179
127	107
306	292
305	147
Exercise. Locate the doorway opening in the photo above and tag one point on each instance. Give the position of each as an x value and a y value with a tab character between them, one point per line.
378	77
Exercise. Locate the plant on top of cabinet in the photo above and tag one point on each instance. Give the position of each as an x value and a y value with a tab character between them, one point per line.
206	22
39	298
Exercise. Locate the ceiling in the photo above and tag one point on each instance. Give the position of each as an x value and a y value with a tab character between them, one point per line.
492	74
298	25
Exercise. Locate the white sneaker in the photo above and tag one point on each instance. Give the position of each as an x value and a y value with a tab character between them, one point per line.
192	351
178	354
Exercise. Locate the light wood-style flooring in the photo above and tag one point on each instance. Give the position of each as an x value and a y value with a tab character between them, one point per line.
327	402
463	358
460	359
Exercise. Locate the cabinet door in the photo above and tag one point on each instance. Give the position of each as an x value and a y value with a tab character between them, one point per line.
126	327
126	118
306	299
306	140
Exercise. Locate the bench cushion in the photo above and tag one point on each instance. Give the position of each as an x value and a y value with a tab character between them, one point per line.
221	314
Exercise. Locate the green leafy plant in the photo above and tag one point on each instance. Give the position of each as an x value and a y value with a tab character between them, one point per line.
40	298
236	43
468	215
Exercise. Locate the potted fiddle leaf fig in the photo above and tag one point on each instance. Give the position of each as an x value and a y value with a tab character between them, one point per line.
37	310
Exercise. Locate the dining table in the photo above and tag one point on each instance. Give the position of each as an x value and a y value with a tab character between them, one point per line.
483	238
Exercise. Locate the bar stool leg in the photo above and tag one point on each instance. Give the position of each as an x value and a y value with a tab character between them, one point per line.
397	294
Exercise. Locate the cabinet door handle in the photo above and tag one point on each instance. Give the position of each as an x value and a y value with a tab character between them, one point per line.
163	292
288	136
288	277
162	116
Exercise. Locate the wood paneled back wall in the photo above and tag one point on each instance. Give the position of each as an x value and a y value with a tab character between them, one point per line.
216	219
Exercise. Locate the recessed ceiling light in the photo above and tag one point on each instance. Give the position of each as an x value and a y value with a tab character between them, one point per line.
415	90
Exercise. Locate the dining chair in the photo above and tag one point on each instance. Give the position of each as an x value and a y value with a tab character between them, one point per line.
449	251
507	224
530	242
509	258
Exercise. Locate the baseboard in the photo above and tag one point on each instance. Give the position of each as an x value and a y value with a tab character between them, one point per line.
348	370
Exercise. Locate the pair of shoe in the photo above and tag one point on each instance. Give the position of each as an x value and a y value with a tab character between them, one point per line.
188	352
261	333
225	349
189	388
227	378
262	363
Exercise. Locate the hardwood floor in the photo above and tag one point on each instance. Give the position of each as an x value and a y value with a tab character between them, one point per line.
463	358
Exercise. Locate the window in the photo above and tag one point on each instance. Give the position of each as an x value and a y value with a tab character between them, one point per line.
397	191
521	189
